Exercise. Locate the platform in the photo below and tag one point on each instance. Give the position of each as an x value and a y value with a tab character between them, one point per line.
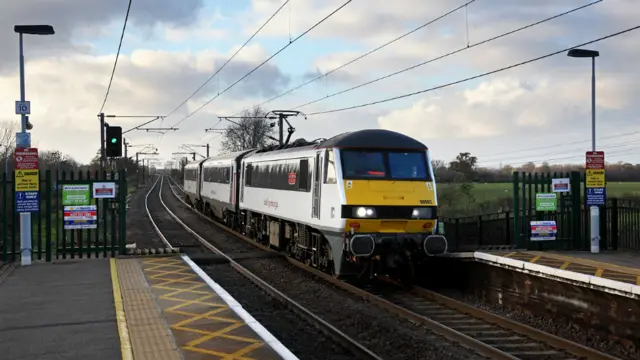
607	273
62	310
173	310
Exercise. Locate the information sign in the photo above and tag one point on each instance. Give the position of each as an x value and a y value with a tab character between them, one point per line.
23	107
80	217
27	201
76	194
561	185
104	190
595	178
546	202
596	196
27	180
26	159
543	230
595	160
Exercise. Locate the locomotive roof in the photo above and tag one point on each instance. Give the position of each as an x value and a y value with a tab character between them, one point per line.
229	156
373	138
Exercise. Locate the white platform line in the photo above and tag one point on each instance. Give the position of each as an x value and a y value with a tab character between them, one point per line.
590	281
264	334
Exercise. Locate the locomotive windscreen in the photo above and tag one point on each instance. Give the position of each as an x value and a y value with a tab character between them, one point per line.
389	165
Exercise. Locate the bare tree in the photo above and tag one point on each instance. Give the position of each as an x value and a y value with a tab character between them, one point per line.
7	142
251	131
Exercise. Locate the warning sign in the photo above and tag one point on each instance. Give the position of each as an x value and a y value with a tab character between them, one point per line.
27	180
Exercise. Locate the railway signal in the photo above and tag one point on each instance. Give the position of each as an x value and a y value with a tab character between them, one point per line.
114	141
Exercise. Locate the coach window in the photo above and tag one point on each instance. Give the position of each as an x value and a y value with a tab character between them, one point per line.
330	168
247	175
304	174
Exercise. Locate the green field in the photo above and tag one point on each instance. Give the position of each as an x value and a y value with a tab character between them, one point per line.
492	191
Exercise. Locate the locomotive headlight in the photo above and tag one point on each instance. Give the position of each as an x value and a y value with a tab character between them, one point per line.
421	213
363	212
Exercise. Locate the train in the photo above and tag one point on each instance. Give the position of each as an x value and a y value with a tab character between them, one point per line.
359	204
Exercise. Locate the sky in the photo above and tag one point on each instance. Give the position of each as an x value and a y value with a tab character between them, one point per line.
539	111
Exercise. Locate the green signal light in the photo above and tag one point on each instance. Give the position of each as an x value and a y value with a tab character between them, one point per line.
114	140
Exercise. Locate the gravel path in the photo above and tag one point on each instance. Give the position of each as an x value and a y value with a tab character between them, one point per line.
559	328
386	334
300	337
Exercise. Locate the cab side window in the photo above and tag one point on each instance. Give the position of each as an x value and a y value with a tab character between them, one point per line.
330	168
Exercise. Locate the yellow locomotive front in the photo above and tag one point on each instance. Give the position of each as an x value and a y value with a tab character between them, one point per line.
390	204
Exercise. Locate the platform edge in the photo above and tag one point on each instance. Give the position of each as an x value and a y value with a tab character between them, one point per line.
607	285
237	308
123	329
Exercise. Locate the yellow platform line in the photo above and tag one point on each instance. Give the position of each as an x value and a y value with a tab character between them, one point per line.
123	330
589	263
565	265
535	258
599	272
638	280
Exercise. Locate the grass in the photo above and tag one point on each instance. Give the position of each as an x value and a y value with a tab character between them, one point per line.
493	191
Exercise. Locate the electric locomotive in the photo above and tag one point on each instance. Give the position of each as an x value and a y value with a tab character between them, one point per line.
360	203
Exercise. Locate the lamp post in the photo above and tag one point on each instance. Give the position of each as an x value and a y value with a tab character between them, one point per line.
25	218
594	210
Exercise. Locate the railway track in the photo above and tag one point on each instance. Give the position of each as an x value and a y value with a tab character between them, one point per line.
488	334
167	229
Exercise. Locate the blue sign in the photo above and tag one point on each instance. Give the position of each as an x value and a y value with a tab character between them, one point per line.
23	140
27	201
596	196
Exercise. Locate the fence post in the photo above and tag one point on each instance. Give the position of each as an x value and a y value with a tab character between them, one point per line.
576	210
48	216
123	213
5	219
516	210
507	227
614	224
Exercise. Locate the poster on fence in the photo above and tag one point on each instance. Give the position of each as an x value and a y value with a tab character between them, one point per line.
543	230
80	217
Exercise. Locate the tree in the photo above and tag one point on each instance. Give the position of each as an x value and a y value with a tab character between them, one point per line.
465	165
251	131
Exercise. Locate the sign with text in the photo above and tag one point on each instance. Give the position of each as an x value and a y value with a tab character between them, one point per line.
543	230
596	196
27	201
27	180
80	217
594	178
104	190
595	160
561	185
546	202
76	195
26	159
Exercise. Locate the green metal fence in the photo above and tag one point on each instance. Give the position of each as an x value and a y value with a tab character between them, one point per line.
49	237
619	220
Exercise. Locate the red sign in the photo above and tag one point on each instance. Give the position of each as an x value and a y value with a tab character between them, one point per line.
595	160
104	191
26	159
292	178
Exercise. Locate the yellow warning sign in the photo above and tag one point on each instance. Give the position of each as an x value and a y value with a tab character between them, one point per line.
595	178
27	180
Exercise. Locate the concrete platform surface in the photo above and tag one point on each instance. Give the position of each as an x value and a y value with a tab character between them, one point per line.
630	259
63	310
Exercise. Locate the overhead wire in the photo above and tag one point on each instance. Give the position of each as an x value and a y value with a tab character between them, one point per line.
291	42
512	66
544	155
451	53
115	64
559	144
611	154
230	58
362	56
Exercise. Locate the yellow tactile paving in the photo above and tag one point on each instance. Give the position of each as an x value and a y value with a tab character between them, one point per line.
150	336
202	323
583	266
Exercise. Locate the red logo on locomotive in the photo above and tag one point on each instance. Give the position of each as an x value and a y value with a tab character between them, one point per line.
292	178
